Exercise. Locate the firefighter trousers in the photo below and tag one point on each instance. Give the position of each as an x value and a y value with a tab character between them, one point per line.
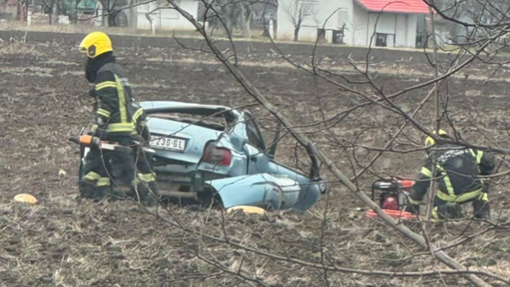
105	168
449	210
145	181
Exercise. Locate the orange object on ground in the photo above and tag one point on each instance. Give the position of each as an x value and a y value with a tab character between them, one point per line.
393	213
25	197
247	209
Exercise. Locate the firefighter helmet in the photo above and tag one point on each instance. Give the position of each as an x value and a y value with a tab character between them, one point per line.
430	141
95	44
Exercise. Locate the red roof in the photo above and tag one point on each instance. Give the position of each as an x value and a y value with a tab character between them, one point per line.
396	6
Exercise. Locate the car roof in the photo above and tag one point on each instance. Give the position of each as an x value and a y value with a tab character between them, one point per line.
153	105
172	106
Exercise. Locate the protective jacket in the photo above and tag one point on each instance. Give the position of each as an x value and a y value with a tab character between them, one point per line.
457	170
113	93
140	122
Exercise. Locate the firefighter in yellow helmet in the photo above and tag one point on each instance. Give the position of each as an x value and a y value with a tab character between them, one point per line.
429	141
115	120
457	172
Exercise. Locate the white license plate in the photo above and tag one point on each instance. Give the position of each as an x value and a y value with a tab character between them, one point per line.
168	143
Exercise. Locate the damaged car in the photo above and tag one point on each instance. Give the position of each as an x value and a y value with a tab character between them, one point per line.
205	152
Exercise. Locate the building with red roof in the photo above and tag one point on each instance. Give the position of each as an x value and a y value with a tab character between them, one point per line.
392	6
387	23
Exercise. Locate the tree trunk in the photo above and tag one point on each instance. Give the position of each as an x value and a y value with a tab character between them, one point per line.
245	24
228	25
133	20
25	12
296	33
75	11
111	19
105	8
246	21
266	33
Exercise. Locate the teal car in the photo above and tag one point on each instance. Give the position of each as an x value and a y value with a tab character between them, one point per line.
209	151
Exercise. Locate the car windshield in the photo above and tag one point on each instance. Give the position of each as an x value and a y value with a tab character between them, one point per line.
213	119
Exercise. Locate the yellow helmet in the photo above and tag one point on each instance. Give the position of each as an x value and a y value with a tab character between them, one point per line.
95	44
430	141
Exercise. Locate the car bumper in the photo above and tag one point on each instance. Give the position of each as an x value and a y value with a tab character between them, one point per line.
185	185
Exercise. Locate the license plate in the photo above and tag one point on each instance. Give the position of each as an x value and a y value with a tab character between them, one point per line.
168	143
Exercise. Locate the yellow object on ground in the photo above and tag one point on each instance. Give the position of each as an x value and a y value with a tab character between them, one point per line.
24	197
247	209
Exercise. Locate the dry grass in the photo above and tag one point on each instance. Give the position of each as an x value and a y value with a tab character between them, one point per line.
20	50
106	244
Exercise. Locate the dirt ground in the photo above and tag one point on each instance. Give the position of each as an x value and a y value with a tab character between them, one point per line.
62	241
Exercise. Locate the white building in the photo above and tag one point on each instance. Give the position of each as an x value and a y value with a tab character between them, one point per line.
166	19
154	15
400	24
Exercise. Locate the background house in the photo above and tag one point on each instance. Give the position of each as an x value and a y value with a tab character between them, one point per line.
353	22
164	18
155	15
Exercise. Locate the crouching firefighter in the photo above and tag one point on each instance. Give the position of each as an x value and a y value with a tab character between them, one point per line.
458	170
113	120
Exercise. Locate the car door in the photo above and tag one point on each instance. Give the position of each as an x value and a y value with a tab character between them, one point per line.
255	147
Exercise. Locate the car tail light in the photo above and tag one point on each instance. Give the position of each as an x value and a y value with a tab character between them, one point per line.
217	156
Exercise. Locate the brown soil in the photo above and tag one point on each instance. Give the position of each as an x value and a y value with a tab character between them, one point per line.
62	241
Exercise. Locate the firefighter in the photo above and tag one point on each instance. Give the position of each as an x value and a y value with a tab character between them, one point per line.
144	186
113	120
457	172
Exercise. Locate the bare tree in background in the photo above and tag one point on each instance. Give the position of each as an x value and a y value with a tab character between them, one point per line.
298	11
234	14
237	14
113	11
51	7
22	9
464	17
73	11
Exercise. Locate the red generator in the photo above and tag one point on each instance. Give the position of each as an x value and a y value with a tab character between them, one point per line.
392	192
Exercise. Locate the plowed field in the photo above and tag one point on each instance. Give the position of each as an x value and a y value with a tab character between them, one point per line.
62	241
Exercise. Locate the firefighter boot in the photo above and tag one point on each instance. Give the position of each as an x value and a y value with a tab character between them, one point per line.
153	186
481	207
449	211
140	193
152	196
91	191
